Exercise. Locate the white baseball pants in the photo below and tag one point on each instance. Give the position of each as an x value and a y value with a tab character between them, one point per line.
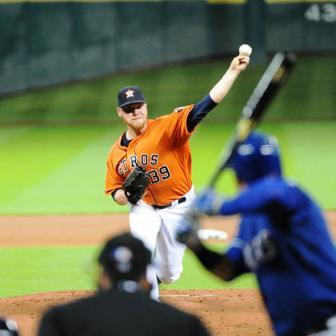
157	229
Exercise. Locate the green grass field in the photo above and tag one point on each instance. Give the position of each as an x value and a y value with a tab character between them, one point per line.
47	175
61	169
40	269
53	164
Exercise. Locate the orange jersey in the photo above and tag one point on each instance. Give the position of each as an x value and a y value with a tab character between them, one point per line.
163	151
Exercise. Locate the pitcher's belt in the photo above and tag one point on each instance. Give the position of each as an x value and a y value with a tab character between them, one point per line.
179	201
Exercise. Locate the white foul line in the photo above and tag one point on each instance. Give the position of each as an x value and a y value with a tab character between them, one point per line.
187	295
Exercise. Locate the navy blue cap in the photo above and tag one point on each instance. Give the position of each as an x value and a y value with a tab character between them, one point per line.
130	95
124	257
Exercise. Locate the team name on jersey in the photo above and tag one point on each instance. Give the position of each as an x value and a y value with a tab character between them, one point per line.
157	174
144	160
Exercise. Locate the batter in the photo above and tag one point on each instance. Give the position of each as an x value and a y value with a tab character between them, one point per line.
282	238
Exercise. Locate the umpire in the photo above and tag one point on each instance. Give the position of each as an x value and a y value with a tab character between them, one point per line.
122	305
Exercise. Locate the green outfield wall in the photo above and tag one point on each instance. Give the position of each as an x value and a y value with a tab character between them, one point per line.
45	43
309	94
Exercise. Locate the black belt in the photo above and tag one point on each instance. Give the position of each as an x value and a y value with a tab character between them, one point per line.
179	201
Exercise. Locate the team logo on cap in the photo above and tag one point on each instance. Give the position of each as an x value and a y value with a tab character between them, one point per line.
129	93
122	255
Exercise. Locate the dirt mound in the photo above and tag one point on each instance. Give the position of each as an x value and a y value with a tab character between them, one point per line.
226	312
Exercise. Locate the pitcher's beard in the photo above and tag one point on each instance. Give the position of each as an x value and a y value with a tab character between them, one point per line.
139	125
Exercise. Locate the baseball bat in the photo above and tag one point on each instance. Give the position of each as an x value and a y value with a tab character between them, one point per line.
268	86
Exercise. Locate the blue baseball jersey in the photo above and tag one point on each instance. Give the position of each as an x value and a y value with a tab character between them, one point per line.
284	240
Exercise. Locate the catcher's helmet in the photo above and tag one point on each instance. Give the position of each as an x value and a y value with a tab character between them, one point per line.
256	157
8	327
124	257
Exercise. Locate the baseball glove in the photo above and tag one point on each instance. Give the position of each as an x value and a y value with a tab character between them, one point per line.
136	184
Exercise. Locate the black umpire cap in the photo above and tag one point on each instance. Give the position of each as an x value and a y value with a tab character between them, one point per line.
124	257
8	327
130	95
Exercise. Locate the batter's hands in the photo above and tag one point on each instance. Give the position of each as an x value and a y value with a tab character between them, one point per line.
188	228
239	63
208	202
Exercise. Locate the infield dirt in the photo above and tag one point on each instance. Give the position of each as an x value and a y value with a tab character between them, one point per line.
225	312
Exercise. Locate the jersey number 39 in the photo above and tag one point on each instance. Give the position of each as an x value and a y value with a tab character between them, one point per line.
160	174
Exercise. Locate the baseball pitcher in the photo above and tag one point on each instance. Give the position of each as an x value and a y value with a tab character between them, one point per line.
149	168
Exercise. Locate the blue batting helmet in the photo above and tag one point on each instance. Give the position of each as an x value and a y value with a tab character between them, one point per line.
256	157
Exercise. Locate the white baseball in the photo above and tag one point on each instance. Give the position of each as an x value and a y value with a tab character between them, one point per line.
245	50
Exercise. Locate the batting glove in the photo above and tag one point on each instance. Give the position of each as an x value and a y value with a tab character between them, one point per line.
209	202
188	228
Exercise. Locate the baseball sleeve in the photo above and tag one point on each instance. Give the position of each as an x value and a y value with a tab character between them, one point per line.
113	180
235	255
199	111
176	125
235	252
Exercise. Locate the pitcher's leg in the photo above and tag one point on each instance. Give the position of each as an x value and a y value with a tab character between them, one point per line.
170	251
145	225
170	256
